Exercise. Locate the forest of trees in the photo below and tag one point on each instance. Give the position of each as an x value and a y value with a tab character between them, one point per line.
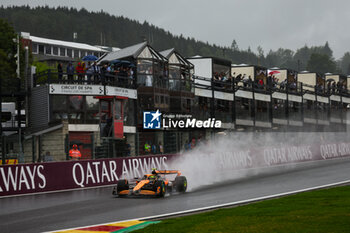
100	28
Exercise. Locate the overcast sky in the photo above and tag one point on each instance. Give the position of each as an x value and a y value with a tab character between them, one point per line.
269	23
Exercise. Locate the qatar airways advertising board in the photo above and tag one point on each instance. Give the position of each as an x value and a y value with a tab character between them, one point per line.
55	176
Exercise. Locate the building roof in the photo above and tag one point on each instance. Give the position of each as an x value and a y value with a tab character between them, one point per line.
73	45
179	58
167	53
131	51
142	49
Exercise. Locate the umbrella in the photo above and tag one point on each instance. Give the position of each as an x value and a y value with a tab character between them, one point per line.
90	58
122	63
330	80
116	61
274	72
127	64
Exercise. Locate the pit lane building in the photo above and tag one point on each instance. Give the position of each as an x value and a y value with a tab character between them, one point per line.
103	112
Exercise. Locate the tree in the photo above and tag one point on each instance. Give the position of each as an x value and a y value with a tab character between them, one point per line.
234	46
345	63
118	31
260	52
303	56
8	50
327	50
321	63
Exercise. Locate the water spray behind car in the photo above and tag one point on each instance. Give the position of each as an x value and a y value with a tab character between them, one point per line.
235	156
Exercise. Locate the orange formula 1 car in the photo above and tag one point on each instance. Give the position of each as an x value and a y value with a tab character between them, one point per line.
156	184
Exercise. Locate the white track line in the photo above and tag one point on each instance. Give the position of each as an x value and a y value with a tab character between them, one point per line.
219	206
58	191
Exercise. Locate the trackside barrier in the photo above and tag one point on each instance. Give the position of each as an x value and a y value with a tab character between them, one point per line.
55	176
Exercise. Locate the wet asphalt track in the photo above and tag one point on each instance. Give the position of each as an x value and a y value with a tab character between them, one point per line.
55	211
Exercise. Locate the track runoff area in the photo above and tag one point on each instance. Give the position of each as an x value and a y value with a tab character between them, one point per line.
139	223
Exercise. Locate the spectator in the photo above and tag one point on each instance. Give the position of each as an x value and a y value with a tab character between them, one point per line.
104	73
149	78
128	149
250	80
199	140
60	72
48	157
283	84
89	73
161	149
274	82
193	143
131	76
74	153
70	72
147	148
293	86
338	86
343	88
329	87
109	70
238	78
154	149
333	87
245	80
188	145
79	69
269	82
96	71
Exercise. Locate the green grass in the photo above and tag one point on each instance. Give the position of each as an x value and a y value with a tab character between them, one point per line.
325	210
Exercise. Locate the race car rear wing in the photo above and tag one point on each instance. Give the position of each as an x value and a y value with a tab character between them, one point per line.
167	172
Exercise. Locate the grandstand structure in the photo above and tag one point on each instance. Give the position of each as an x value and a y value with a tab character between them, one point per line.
103	112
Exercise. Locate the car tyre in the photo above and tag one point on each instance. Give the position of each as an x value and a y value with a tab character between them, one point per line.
162	188
121	186
181	184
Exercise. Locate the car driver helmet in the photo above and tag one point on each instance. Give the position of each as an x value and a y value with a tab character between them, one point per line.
154	171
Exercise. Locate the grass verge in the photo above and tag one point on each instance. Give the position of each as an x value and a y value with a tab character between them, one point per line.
325	210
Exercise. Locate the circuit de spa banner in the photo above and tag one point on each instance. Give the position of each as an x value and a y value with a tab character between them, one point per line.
54	176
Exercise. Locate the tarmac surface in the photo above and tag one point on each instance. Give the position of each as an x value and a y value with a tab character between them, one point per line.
56	211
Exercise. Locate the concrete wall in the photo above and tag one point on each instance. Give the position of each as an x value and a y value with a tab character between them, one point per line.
53	142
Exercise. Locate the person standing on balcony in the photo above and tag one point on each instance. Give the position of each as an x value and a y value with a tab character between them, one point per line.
60	72
149	77
245	80
70	72
80	71
103	72
89	72
130	76
96	71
